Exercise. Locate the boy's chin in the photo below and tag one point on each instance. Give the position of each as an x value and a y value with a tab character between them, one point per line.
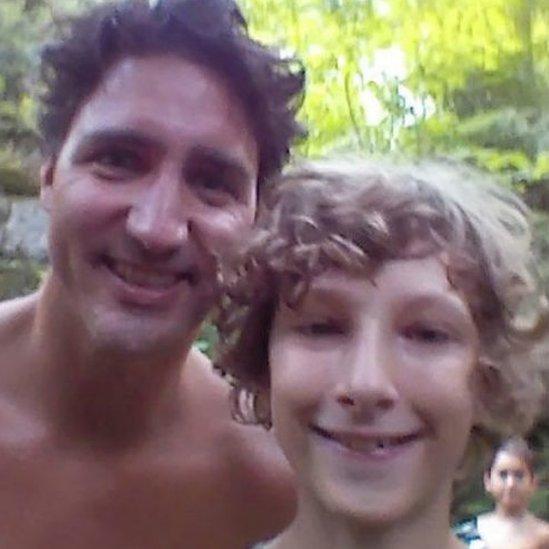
375	510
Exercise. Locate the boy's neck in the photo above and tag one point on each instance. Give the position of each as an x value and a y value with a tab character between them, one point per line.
324	530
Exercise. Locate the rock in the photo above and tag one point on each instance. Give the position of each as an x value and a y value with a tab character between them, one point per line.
541	247
5	208
19	277
17	181
24	233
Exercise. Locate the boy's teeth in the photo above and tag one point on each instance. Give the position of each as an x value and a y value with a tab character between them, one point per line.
367	445
143	277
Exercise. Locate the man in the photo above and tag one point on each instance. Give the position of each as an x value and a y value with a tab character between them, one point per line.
158	125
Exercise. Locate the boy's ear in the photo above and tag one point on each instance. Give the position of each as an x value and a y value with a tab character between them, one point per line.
487	388
47	172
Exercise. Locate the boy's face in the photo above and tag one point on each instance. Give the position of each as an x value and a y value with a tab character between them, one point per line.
510	482
158	171
370	389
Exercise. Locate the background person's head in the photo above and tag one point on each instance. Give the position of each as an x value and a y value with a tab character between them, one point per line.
437	259
510	476
157	125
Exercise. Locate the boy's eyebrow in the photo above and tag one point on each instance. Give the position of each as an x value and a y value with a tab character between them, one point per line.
438	299
327	294
126	136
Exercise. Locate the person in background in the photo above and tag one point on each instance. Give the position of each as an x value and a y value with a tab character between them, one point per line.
511	480
160	124
376	322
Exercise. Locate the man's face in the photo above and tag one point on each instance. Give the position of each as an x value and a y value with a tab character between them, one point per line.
157	175
370	389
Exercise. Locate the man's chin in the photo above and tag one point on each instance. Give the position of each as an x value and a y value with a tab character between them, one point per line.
121	333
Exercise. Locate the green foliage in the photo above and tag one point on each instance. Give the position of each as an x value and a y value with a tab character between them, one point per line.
22	27
428	77
207	339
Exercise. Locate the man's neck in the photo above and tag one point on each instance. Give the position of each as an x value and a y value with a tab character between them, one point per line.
99	397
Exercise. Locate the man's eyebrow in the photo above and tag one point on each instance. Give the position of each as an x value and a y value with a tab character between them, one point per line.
123	136
221	160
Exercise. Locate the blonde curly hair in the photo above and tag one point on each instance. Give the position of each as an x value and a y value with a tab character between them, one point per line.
354	215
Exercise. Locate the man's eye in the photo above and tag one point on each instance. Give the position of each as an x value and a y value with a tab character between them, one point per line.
503	475
426	334
116	161
214	184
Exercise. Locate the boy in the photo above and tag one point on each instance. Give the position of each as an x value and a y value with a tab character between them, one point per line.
376	323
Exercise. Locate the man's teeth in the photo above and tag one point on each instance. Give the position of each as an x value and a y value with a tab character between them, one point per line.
143	277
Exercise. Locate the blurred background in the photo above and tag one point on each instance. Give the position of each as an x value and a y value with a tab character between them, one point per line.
461	78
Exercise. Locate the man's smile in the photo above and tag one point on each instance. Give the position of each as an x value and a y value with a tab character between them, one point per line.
148	285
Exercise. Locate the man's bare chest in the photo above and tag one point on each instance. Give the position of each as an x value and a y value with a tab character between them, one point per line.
54	500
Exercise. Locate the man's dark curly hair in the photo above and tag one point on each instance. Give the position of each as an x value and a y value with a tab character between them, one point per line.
210	32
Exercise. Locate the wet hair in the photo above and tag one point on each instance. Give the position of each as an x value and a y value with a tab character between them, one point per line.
209	32
515	446
354	216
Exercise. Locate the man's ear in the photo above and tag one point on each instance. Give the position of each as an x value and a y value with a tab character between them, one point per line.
47	171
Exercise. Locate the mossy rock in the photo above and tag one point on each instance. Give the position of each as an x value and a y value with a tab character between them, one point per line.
541	246
16	181
19	277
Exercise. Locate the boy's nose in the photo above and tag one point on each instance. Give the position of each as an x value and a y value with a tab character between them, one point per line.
367	380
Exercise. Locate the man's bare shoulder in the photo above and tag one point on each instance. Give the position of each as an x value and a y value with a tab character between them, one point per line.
252	445
18	429
16	317
262	478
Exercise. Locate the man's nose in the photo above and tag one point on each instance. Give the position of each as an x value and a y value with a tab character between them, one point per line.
367	385
158	219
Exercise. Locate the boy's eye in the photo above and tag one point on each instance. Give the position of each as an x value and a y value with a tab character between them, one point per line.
426	334
503	475
320	329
